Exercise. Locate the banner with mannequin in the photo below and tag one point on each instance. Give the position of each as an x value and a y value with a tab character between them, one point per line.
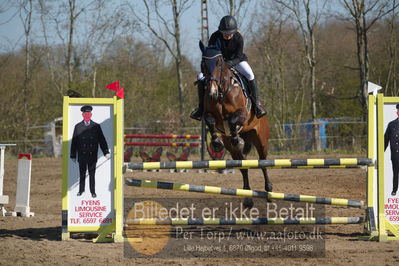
92	191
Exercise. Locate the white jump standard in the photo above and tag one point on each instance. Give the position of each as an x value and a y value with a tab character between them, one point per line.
3	198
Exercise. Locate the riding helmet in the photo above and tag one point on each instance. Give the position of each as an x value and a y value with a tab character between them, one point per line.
228	25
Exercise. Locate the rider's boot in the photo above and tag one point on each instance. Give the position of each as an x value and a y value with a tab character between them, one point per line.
197	113
259	109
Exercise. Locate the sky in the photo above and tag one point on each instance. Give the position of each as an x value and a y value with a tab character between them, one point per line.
12	33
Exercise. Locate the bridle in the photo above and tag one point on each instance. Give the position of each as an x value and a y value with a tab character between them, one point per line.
220	82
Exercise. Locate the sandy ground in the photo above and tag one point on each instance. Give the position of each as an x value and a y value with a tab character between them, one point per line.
36	240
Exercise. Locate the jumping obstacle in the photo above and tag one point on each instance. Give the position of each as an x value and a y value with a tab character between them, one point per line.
22	197
245	193
252	164
162	144
3	198
183	157
156	144
378	225
238	221
164	136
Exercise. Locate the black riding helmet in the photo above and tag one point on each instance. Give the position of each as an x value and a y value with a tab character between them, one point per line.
228	25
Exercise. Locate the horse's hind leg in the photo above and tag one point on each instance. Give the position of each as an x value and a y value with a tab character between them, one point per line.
261	144
248	202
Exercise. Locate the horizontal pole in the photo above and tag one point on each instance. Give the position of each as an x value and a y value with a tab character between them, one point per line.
157	144
250	164
244	193
305	167
239	221
164	136
319	167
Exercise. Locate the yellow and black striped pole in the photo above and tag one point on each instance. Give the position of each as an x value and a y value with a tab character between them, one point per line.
244	193
239	221
253	164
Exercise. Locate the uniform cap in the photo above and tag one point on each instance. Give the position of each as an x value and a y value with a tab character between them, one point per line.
86	108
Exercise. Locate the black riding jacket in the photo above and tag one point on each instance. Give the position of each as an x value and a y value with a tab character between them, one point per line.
232	50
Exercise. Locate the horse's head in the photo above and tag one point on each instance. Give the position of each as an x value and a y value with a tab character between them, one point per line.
213	68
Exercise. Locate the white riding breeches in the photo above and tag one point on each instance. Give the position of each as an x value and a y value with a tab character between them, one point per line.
242	67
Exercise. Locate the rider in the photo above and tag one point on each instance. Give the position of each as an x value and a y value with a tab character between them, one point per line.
232	45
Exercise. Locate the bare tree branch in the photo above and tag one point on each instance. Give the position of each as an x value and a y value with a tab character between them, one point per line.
173	29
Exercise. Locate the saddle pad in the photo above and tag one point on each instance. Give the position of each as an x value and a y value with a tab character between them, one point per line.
243	82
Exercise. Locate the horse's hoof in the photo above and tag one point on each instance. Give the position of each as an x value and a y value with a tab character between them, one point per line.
269	187
248	203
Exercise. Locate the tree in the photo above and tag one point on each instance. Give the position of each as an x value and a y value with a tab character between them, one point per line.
364	14
44	10
73	15
307	20
390	83
26	18
106	23
281	71
172	28
236	8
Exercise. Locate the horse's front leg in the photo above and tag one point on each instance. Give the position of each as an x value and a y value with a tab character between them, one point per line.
237	155
236	121
215	142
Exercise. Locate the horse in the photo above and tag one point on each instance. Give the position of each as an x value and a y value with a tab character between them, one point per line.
227	110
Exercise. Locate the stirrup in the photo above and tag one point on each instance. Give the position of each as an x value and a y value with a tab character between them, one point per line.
196	114
260	111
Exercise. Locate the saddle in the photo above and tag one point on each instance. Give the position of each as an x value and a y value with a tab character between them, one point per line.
244	83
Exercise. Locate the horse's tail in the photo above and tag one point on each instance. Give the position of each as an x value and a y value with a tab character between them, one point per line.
247	147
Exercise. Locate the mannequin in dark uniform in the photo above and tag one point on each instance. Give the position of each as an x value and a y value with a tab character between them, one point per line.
391	137
87	136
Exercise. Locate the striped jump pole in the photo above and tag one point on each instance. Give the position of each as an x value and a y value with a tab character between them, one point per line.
164	136
156	144
244	193
251	164
319	167
238	221
304	167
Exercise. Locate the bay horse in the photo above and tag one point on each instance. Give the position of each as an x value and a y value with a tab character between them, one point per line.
228	110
